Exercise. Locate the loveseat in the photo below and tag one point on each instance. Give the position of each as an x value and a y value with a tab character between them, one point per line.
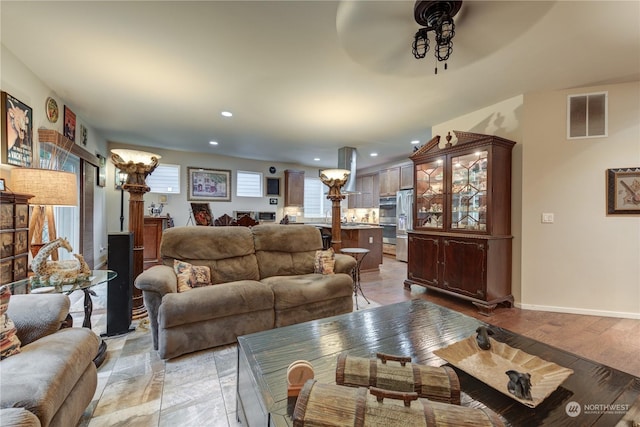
262	277
52	380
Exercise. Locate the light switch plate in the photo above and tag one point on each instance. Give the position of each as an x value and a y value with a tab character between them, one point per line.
547	218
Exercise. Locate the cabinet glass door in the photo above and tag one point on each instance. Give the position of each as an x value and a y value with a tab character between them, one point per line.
430	194
469	191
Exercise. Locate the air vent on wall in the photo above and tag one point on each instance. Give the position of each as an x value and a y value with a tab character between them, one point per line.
587	115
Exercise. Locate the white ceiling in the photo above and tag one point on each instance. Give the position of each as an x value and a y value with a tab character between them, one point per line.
305	78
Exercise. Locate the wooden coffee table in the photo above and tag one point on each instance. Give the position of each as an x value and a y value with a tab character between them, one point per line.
416	328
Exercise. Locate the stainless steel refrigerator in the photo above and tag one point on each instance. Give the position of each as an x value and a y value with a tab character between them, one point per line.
404	222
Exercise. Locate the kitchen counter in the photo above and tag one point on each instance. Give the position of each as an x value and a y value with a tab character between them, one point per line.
367	236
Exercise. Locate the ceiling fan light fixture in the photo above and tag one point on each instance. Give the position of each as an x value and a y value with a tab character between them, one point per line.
420	44
436	16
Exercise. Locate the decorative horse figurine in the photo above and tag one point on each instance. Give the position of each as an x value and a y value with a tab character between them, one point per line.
56	272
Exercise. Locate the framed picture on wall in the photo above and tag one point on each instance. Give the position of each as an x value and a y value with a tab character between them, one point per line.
17	132
272	186
623	191
69	124
213	185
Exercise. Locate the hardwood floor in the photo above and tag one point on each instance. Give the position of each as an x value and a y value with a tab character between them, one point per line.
611	341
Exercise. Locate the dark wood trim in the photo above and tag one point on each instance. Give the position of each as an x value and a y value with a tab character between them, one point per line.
51	136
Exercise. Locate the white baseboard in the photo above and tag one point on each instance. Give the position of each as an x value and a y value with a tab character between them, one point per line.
574	310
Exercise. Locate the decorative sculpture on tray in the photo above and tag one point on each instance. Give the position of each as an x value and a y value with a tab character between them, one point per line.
58	272
519	384
483	337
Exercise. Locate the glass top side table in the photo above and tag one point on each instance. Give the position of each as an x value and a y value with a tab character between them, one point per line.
97	277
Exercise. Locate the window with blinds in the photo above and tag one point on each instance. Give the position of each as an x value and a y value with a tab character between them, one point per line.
316	203
249	184
164	179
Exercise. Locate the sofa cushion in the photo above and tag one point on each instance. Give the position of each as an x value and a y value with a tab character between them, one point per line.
191	276
211	302
38	315
285	250
294	291
9	342
227	251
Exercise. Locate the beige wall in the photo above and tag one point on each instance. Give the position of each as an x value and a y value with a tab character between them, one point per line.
19	81
585	262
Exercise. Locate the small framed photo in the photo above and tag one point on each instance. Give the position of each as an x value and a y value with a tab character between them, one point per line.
2	188
69	124
17	132
623	191
211	185
202	214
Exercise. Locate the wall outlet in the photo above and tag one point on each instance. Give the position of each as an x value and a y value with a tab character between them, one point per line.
547	218
370	239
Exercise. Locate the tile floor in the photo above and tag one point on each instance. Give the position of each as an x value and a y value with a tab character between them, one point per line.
138	389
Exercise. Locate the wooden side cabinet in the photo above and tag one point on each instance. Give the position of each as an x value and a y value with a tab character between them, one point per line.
461	238
14	236
293	188
153	228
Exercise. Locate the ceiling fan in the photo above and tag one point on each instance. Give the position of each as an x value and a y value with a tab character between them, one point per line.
379	34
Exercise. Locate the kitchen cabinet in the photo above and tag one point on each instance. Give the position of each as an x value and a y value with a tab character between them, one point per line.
367	189
14	236
293	188
406	176
153	228
389	181
461	238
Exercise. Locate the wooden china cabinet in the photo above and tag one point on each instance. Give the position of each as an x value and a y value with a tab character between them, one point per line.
461	238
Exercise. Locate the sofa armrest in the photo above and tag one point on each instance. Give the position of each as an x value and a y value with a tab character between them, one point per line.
160	279
344	263
155	283
37	315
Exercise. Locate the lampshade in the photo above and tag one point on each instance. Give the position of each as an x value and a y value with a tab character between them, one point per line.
338	174
135	156
49	187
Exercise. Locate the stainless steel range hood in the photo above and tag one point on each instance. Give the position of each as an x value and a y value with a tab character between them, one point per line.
347	160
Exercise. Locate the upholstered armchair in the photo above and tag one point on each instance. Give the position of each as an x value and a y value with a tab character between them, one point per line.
52	380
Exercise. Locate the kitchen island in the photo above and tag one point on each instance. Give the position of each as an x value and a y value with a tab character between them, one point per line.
361	236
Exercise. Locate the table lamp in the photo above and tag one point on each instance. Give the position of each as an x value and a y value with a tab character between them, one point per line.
137	165
50	188
335	179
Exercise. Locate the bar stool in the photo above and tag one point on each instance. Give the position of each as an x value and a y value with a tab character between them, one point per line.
358	254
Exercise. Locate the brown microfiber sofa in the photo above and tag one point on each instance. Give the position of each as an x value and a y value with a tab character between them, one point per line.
53	378
263	277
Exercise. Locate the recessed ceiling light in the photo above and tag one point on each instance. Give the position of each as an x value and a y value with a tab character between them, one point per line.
317	159
374	154
213	142
227	113
415	141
